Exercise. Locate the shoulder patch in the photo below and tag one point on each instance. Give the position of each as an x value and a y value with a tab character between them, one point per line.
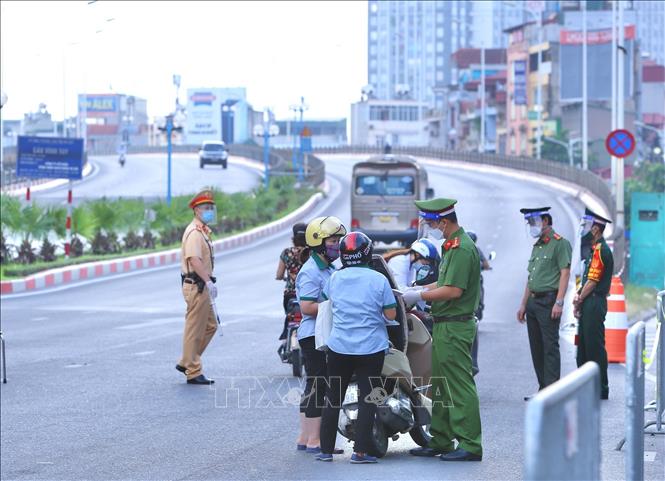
452	244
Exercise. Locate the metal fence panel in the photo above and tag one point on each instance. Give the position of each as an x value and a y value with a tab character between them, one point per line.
634	393
562	438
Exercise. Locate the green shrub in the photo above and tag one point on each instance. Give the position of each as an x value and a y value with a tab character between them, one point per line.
76	247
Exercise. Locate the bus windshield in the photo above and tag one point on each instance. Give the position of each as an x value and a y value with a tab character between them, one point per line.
385	185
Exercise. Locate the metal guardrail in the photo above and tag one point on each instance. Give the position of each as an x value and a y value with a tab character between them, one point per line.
583	178
658	404
634	395
280	162
562	429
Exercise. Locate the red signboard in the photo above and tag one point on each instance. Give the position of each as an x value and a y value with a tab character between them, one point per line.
594	37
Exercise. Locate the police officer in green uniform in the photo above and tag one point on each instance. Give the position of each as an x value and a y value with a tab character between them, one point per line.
542	303
454	298
591	300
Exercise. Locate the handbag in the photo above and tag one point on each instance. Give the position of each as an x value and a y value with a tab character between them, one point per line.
323	326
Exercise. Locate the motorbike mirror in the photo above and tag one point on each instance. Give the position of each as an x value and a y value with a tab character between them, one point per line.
492	255
425	275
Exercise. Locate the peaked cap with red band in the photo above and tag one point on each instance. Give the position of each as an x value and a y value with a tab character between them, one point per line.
203	197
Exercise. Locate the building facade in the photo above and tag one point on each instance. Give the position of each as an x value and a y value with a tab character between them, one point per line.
410	44
218	114
107	121
393	122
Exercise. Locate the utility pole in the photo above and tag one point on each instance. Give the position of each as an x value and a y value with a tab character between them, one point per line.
585	118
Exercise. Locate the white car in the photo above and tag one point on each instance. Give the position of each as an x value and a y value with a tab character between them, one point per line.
213	152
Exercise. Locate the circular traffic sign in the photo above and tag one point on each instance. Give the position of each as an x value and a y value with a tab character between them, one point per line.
620	143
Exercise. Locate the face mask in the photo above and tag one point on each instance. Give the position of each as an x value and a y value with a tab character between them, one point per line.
535	231
332	252
209	217
433	233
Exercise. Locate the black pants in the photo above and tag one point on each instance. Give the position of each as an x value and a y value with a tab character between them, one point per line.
311	403
287	297
591	345
544	339
341	367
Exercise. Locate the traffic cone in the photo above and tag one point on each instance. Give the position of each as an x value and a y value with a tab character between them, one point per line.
616	322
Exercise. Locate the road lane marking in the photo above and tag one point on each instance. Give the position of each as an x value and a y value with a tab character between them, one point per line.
144	353
155	322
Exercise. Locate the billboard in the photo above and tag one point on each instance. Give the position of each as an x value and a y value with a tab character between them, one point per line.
99	105
599	64
519	82
49	157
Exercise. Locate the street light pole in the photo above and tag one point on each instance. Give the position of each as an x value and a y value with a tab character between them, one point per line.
585	119
482	98
539	86
621	52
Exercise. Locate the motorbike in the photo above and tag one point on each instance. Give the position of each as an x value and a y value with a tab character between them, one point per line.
290	352
121	160
402	404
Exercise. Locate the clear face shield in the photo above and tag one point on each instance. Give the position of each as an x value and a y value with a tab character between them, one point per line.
533	224
208	213
585	225
425	230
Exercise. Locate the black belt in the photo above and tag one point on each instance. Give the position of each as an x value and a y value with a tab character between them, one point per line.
538	295
188	280
463	317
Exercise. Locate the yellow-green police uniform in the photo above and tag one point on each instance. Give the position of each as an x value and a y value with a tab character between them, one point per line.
456	407
550	254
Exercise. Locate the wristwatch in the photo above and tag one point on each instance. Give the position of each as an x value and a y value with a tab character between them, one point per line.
559	302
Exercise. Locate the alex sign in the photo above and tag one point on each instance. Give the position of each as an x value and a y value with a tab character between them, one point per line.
49	158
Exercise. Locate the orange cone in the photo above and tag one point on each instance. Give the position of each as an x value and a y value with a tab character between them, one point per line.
616	323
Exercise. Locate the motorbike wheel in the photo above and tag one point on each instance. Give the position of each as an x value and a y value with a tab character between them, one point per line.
296	362
420	432
379	440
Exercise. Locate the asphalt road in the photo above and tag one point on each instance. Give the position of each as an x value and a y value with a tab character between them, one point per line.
145	175
93	393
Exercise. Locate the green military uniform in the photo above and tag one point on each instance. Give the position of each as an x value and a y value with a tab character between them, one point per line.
456	407
591	329
550	254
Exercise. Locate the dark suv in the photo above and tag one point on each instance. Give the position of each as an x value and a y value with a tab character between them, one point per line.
213	152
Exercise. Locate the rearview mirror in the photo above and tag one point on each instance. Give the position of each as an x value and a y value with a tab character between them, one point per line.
429	193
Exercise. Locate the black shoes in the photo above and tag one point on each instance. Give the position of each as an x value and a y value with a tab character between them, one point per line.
200	379
461	455
180	368
425	452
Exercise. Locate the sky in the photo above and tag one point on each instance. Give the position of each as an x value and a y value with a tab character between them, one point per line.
278	50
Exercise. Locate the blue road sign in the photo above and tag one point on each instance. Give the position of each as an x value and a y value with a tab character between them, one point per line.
50	158
620	143
305	145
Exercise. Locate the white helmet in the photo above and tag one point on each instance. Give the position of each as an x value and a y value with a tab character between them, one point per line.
425	249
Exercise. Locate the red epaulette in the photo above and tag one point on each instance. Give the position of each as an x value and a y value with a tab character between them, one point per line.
452	244
557	237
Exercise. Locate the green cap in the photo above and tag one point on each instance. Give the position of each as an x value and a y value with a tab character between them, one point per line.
435	208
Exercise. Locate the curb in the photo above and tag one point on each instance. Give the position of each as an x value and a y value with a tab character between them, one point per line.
93	270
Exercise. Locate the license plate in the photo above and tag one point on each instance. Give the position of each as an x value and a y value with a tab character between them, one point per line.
386	218
351	396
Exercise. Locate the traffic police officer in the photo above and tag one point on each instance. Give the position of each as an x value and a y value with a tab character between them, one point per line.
198	287
591	300
454	298
542	303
